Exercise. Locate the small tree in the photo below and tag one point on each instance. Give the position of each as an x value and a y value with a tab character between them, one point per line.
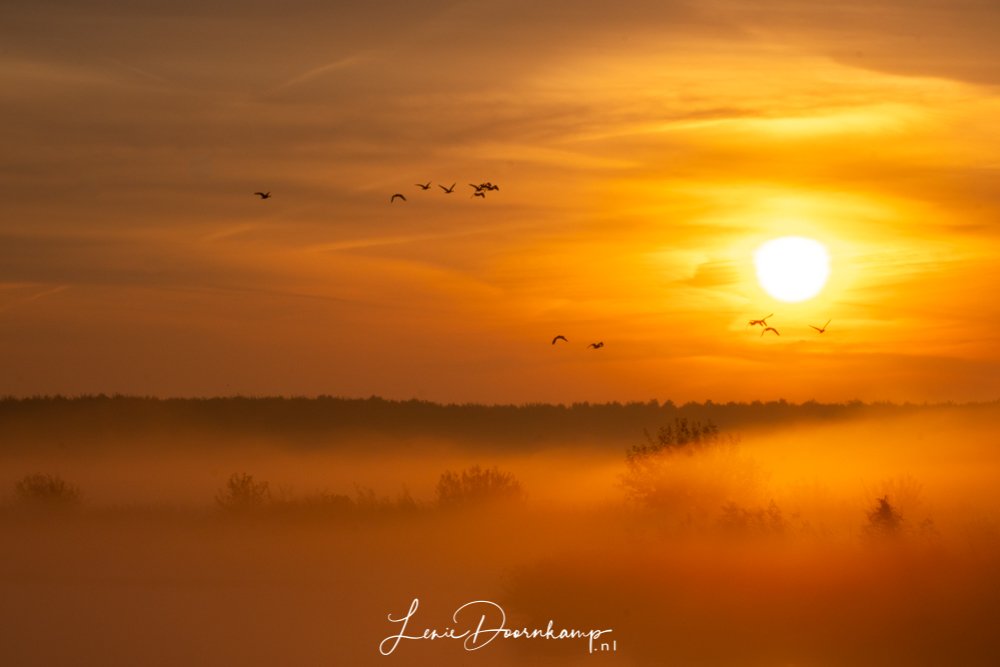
243	494
682	435
659	471
477	486
42	491
883	520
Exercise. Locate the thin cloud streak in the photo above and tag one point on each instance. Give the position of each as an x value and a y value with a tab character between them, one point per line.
345	63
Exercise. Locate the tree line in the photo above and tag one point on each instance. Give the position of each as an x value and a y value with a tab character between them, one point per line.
78	420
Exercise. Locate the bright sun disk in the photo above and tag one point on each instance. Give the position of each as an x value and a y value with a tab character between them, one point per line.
792	268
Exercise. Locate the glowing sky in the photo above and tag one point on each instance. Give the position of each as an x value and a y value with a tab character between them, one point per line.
643	150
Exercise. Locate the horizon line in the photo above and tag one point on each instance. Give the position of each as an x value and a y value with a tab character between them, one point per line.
855	402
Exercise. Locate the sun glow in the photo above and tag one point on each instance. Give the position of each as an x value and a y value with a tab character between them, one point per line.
792	268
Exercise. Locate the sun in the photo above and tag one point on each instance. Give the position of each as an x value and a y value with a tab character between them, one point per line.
792	268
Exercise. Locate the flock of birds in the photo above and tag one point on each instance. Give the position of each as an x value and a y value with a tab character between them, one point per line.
480	190
593	346
762	322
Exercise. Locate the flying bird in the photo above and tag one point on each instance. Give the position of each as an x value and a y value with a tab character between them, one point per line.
479	194
479	188
558	338
448	191
424	186
770	329
823	328
263	195
597	346
393	198
762	321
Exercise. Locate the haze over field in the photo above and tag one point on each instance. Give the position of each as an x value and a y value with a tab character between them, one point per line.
761	546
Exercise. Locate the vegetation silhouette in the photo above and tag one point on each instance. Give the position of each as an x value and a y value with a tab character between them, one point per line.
884	521
245	495
242	494
645	479
702	551
87	422
366	501
477	486
40	491
689	473
742	521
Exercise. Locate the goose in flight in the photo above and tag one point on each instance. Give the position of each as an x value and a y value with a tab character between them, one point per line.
448	191
479	188
263	195
770	329
424	186
762	321
558	338
393	198
597	345
823	328
479	193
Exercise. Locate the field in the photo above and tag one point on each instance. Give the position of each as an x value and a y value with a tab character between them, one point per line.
263	532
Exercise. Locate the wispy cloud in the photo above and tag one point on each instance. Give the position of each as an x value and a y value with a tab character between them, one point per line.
345	63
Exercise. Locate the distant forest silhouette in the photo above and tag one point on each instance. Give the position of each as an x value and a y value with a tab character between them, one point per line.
315	421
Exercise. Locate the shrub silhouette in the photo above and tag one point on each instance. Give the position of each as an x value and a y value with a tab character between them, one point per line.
43	491
739	520
883	520
477	486
243	494
682	435
687	471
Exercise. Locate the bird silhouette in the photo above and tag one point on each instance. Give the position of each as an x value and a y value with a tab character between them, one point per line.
479	188
770	329
479	193
558	338
263	195
448	191
597	346
489	186
762	321
823	328
393	198
424	186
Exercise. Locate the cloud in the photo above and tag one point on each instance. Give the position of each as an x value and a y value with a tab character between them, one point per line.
339	65
712	274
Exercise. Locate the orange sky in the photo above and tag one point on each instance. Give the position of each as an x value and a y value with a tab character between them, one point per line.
643	150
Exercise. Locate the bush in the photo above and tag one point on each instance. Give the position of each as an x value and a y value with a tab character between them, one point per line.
243	494
477	486
688	471
46	492
682	435
884	520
